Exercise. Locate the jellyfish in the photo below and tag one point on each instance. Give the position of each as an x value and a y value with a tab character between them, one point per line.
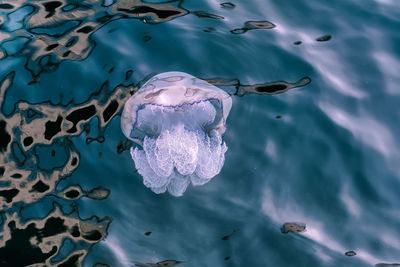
176	122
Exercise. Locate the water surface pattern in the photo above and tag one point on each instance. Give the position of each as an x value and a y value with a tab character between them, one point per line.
311	177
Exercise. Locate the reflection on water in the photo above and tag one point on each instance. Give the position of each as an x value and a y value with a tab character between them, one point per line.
293	227
252	25
43	240
37	153
325	193
48	33
159	264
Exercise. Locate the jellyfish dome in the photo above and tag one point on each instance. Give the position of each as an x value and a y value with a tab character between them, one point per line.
177	122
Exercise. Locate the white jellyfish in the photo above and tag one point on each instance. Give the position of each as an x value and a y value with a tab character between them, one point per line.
177	122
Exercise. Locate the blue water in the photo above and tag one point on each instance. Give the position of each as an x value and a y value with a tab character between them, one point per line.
312	135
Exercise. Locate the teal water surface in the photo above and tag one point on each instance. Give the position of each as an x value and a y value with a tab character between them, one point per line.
312	135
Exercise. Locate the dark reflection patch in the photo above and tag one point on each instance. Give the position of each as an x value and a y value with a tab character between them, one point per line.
39	240
226	237
293	227
66	53
72	194
74	161
51	47
324	38
203	14
81	114
165	263
209	29
227	5
51	6
151	13
40	187
52	128
86	29
128	74
99	193
253	25
73	260
273	87
6	6
5	138
124	146
28	141
72	41
9	194
350	253
269	88
75	231
110	110
20	244
93	235
137	10
16	175
75	192
146	38
224	82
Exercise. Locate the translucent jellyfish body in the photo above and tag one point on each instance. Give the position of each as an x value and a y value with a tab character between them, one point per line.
177	122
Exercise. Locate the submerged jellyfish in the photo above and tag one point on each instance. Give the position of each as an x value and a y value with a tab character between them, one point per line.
177	122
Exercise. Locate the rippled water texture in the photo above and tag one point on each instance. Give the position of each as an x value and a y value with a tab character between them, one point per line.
311	177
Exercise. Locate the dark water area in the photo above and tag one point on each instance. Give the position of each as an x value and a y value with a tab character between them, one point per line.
311	175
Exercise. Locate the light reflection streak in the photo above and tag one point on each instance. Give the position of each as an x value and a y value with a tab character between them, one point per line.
113	244
315	231
370	132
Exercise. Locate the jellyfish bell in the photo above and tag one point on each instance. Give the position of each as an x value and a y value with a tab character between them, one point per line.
177	122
